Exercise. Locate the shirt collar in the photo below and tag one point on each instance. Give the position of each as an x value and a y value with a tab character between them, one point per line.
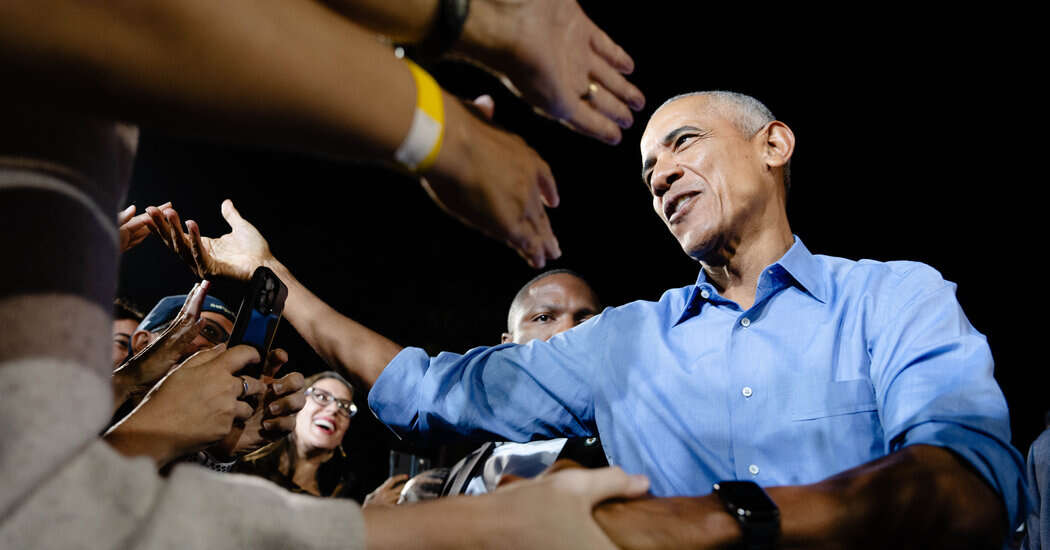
798	262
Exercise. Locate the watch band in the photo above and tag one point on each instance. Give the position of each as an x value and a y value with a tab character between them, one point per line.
447	26
757	514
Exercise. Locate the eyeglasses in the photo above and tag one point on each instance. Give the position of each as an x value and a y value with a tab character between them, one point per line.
213	332
323	398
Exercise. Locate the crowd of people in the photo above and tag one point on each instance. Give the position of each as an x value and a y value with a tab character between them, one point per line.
784	399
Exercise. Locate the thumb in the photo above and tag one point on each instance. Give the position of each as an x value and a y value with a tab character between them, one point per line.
486	105
125	215
230	213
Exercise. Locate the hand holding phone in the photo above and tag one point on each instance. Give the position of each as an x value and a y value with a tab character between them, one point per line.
258	316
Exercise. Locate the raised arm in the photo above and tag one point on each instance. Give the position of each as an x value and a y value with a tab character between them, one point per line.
546	51
340	341
287	73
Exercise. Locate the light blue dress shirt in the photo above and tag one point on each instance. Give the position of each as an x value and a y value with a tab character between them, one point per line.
836	364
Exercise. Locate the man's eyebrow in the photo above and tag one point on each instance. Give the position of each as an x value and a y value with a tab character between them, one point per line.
667	140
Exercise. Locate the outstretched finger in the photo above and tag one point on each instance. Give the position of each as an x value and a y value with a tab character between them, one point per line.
160	226
230	213
125	215
588	120
274	361
238	357
182	247
196	248
610	106
611	52
626	95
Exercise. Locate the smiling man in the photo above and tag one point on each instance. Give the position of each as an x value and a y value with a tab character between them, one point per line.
856	391
828	403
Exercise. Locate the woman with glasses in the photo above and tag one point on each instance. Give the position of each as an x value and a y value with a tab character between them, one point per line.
311	458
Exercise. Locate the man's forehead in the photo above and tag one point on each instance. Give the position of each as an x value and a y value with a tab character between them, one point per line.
686	111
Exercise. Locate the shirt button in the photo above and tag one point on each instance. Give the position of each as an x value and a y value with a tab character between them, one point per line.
747	391
753	469
745	322
705	294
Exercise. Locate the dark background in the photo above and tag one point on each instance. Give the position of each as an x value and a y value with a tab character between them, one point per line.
903	152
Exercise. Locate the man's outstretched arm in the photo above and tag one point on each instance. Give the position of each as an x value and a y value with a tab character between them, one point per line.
340	341
920	497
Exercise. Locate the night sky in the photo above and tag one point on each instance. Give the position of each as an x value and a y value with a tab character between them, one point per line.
901	153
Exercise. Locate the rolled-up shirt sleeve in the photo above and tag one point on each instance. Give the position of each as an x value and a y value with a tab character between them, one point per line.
933	374
512	392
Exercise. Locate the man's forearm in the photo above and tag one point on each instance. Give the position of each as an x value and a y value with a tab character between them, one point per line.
339	340
288	72
920	497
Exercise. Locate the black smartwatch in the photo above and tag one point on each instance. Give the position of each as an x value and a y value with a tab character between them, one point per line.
757	514
444	32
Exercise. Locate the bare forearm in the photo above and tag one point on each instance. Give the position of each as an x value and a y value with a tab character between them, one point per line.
340	341
457	522
130	438
280	72
406	21
920	497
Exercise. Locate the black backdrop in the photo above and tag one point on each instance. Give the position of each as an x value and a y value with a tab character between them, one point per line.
902	153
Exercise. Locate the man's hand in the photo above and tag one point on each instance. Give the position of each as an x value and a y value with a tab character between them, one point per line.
561	503
388	493
192	407
138	374
553	56
234	255
274	416
133	229
492	180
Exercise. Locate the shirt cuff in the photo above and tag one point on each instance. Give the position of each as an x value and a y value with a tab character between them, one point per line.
997	462
394	396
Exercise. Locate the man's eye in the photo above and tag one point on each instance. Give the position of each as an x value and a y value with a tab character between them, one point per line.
542	318
681	140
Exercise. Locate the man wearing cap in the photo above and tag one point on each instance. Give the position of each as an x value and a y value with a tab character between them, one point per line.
218	322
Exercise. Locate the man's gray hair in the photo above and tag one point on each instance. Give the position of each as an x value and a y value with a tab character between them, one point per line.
748	114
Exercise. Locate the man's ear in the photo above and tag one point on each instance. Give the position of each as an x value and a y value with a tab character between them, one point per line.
778	144
506	338
139	340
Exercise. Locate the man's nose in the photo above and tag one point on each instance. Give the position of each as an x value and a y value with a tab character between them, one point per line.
665	173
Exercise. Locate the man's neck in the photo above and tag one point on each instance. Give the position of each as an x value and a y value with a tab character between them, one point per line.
736	268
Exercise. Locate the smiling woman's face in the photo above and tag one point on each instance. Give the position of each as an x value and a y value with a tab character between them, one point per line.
323	426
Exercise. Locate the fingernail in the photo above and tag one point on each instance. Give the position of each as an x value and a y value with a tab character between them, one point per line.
278	388
274	408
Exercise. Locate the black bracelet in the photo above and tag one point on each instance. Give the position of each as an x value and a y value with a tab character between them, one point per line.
445	31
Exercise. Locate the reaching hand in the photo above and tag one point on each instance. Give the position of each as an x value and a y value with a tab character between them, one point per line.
273	417
133	229
141	372
561	503
492	180
386	494
553	56
234	255
192	407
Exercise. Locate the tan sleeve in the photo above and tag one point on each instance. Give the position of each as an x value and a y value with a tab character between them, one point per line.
95	498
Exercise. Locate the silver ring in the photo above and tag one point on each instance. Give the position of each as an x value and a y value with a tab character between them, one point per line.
244	387
592	89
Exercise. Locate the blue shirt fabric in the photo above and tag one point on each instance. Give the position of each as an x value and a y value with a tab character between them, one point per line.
836	364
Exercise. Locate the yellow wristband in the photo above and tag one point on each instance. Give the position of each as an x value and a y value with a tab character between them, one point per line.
423	142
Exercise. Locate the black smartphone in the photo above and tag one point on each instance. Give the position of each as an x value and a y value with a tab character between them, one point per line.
258	316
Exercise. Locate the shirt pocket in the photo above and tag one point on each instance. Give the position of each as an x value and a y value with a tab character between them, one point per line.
823	400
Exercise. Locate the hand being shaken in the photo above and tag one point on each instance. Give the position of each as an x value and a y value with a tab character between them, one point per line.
234	255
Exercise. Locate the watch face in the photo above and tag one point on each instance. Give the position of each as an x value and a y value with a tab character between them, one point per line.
746	500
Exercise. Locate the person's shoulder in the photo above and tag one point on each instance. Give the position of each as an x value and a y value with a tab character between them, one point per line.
902	279
670	301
